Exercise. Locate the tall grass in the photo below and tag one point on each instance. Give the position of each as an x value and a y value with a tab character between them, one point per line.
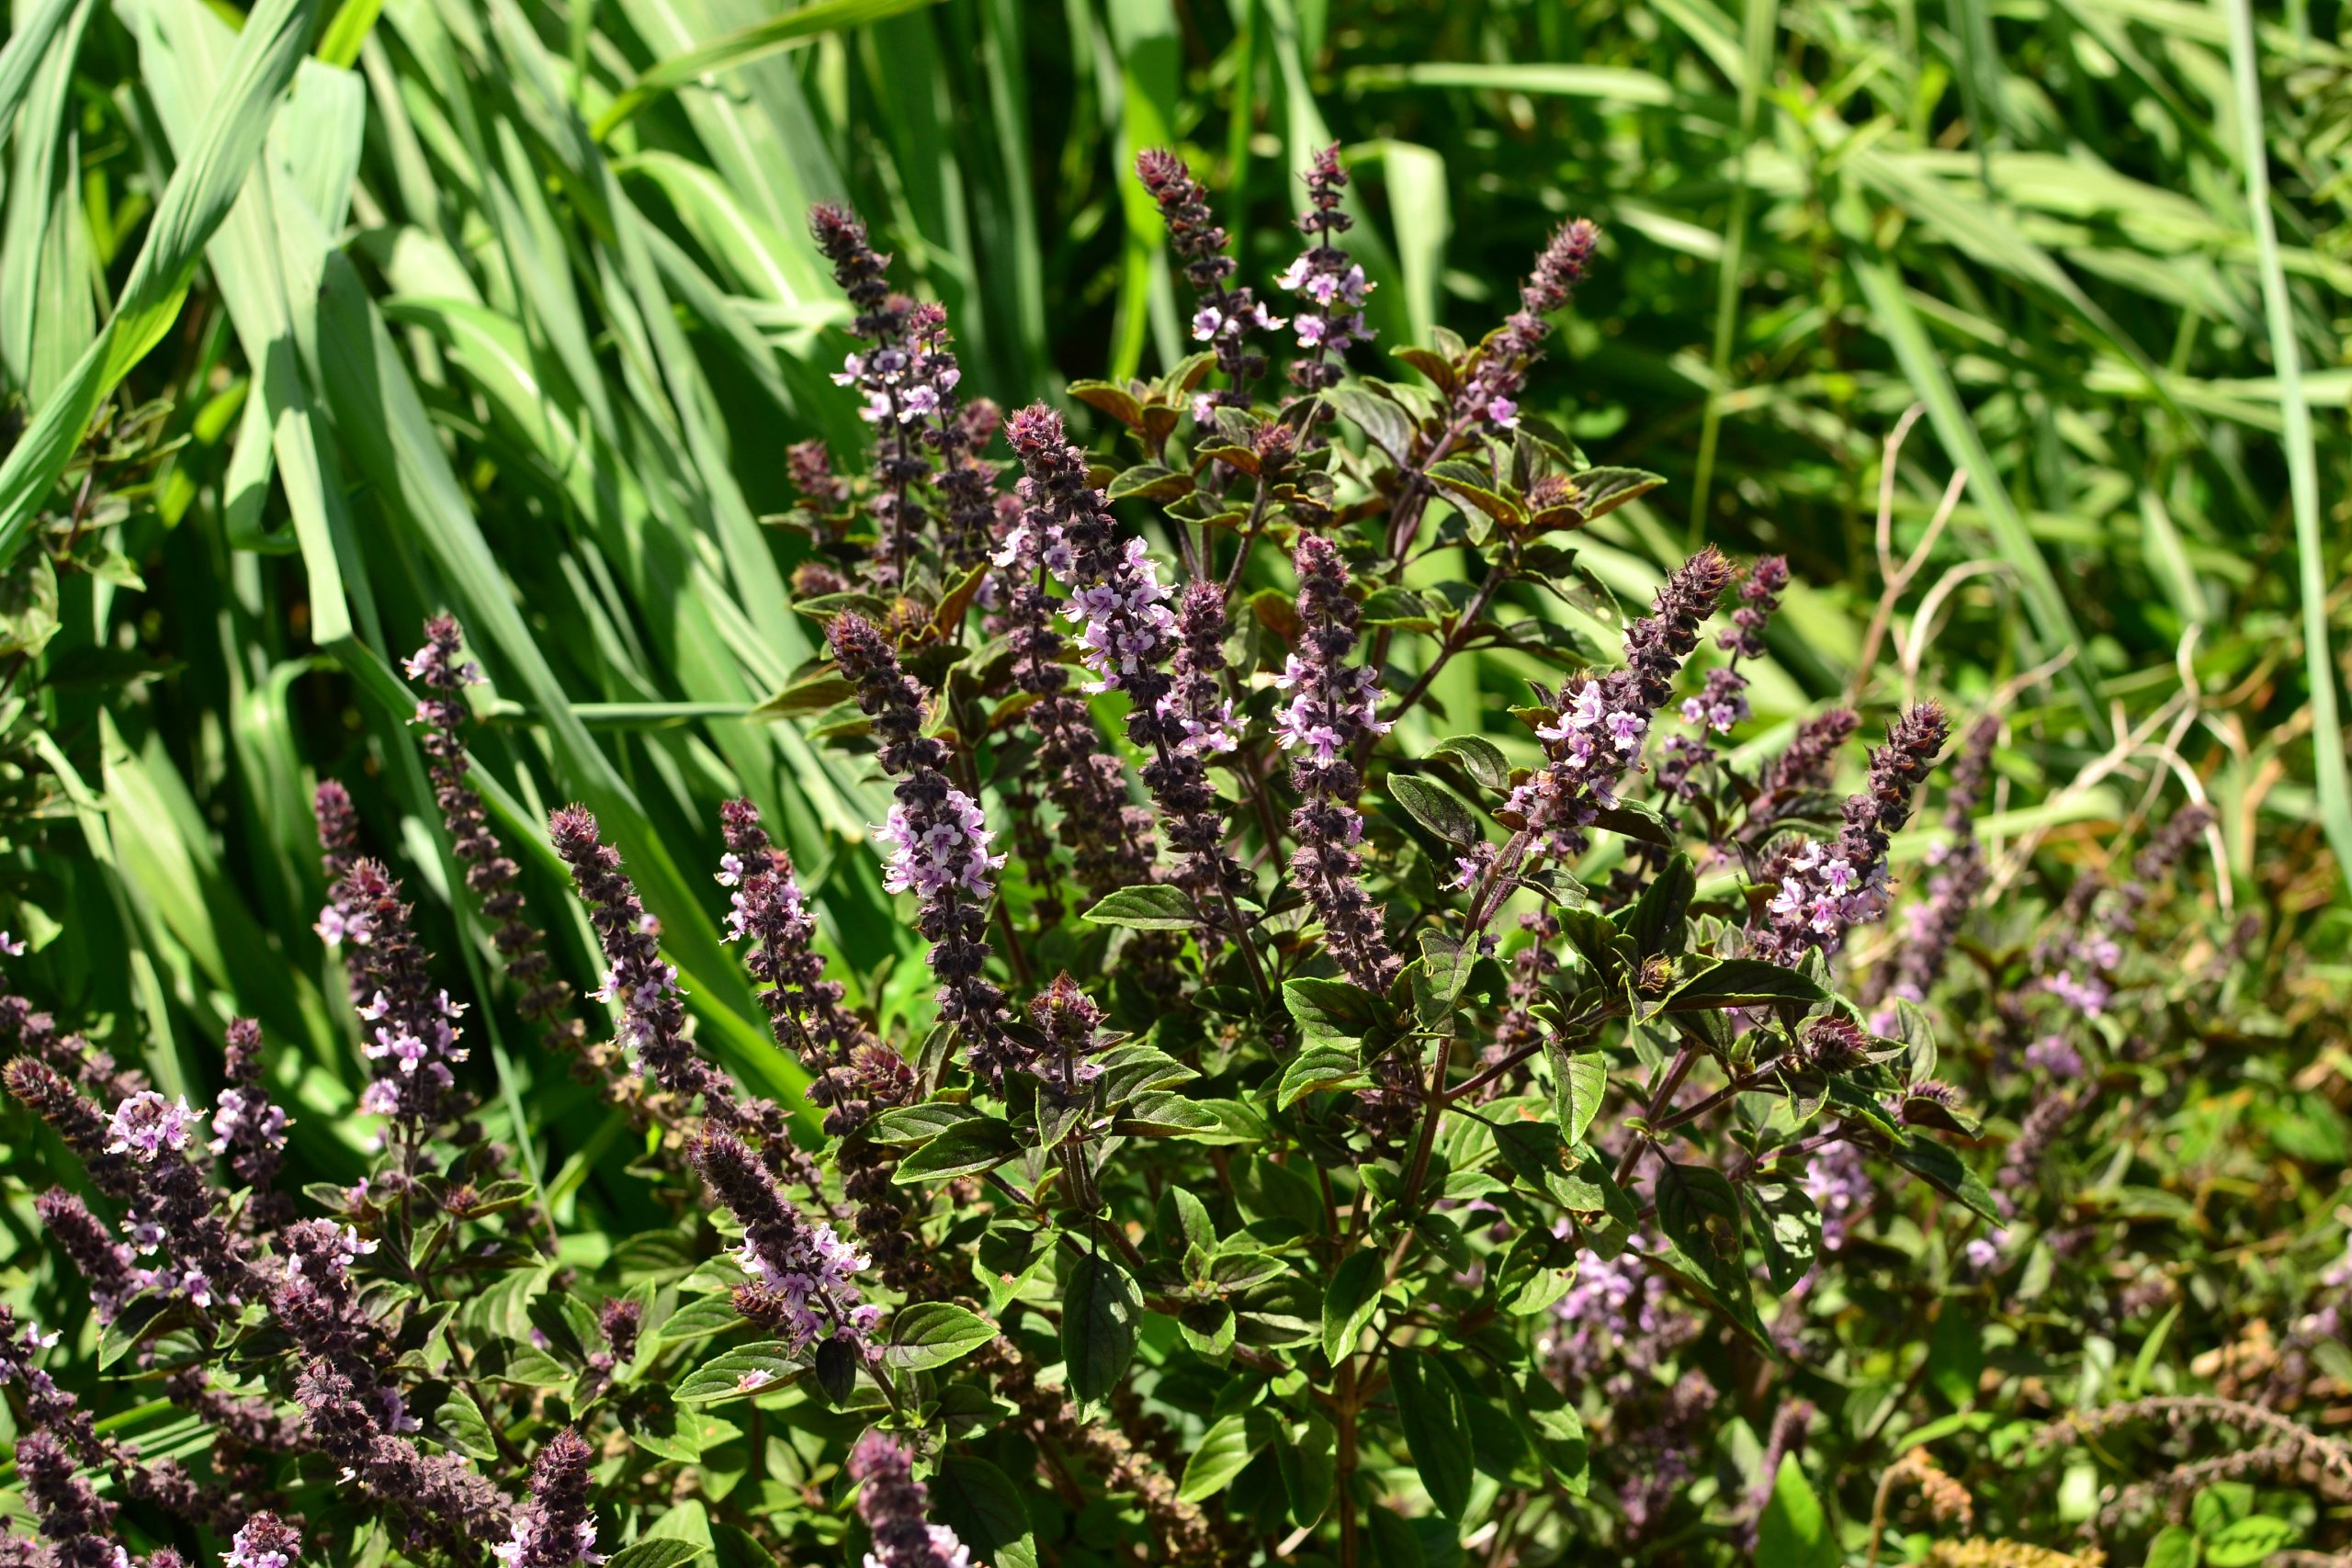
507	307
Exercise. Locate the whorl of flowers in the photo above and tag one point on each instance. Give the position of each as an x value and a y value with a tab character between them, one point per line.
936	840
855	1074
1129	637
896	1508
1331	288
1824	889
802	1278
265	1541
1810	757
316	1300
410	1024
73	1518
1593	743
1959	875
442	1499
555	1528
2152	864
1492	391
490	873
1332	709
621	1319
108	1267
1109	837
1722	702
1791	1425
36	1033
653	1011
1127	629
1665	1444
1197	722
1227	315
899	377
338	828
247	1126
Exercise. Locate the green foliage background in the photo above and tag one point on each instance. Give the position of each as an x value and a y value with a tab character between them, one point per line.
508	307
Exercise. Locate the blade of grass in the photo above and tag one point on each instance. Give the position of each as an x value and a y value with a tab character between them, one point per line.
788	31
2303	466
1761	19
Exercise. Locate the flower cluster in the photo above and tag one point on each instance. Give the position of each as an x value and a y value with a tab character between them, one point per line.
1332	286
934	819
1227	313
1492	391
1958	874
896	1508
802	1276
1109	839
554	1530
265	1541
1824	889
136	1157
1597	737
490	873
856	1075
653	1011
1333	712
411	1023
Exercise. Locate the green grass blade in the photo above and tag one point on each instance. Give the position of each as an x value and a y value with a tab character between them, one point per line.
791	30
2303	466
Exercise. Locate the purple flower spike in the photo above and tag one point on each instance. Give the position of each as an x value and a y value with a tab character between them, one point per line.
896	1508
1332	710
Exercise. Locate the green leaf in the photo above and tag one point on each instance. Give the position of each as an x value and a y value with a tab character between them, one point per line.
1956	1353
746	1370
1394	1542
1579	1084
1099	1323
1699	1212
2248	1542
919	1123
1481	758
1318	1069
1334	1012
1393	606
1600	491
1307	1467
1153	906
931	1334
965	1149
2175	1547
1740	982
1351	1301
985	1509
459	1426
1384	423
1943	1169
659	1551
1151	481
1436	807
1225	1451
1794	1532
1657	920
1437	1427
